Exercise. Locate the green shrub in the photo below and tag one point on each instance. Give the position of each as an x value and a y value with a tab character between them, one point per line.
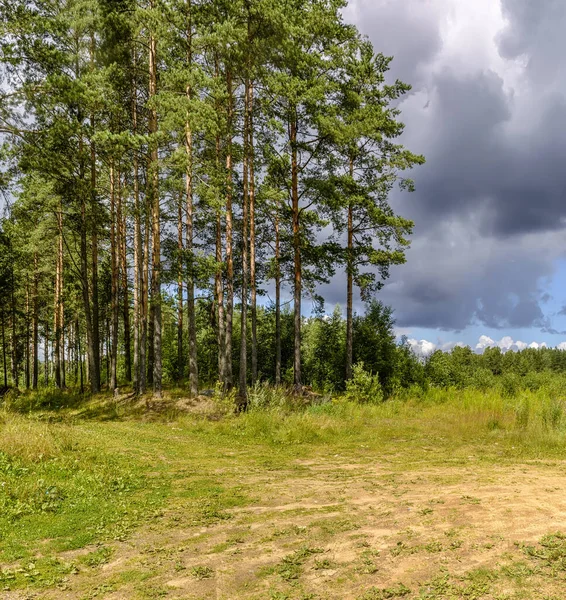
364	386
482	379
510	385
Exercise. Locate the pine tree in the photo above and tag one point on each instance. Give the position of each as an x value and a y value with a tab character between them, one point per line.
366	165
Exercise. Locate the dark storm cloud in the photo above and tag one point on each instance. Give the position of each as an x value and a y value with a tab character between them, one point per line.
464	149
490	205
408	31
535	32
449	284
475	160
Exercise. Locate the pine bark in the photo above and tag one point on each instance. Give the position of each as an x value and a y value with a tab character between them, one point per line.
277	299
219	301
4	357
125	285
94	359
80	355
156	223
189	224
28	339
350	287
193	364
92	318
56	345
218	276
14	353
180	299
140	321
113	383
297	255
90	338
242	396
59	307
35	326
228	378
253	282
46	356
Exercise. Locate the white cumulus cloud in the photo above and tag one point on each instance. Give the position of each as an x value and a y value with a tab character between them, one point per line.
421	347
424	348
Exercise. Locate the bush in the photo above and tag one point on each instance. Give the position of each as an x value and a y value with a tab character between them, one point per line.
510	385
364	386
482	379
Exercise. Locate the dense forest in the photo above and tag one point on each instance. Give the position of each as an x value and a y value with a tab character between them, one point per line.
178	177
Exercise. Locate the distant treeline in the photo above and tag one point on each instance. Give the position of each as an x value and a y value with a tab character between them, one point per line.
384	366
510	371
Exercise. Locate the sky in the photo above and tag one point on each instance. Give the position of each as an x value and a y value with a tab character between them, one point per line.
488	111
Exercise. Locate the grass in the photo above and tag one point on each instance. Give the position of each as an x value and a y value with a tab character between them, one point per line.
293	497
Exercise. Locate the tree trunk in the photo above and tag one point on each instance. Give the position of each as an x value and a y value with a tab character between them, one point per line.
137	274
94	359
78	333
228	381
75	351
59	308
156	222
350	284
125	290
277	299
242	396
297	256
218	276
219	299
140	321
253	284
91	340
146	355
193	363
68	363
91	314
28	341
15	376
108	353
56	345
4	359
92	319
146	341
46	356
150	346
349	300
35	326
113	384
180	299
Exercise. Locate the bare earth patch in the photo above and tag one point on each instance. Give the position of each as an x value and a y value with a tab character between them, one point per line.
330	528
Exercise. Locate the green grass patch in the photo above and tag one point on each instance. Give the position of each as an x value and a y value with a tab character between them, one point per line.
76	475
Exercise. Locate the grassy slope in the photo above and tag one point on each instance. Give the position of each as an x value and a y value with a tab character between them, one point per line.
173	502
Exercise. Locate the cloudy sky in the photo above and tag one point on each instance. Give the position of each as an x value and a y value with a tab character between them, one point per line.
488	110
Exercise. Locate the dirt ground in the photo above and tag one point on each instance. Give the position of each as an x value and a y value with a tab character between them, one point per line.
329	528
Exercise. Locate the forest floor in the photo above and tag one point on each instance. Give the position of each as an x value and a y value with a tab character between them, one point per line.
336	502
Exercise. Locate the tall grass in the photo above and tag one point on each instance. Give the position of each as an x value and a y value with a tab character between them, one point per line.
31	440
531	421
